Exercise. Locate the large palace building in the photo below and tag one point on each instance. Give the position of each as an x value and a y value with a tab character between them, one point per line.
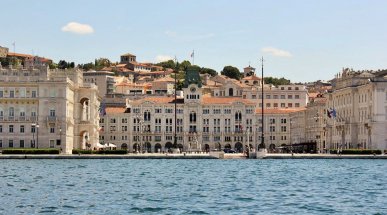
203	122
42	108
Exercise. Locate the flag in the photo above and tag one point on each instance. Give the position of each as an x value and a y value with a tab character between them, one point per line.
333	113
193	53
102	109
329	113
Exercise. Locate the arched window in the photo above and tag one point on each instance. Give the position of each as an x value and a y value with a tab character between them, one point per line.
147	116
238	116
85	109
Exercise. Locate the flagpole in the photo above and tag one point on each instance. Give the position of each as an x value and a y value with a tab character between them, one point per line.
193	57
262	111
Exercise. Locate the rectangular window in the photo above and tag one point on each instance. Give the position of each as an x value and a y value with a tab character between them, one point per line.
282	105
33	94
282	96
52	143
10	143
21	143
22	128
206	111
10	128
52	130
52	112
297	104
11	94
1	143
290	96
297	96
1	94
1	128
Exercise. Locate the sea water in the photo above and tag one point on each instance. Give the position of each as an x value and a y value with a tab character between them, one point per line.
193	186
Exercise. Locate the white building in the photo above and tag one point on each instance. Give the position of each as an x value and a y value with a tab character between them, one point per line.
360	102
42	108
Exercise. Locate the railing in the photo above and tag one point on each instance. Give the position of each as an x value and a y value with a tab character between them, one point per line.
51	118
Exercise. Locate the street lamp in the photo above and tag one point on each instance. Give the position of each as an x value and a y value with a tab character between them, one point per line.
271	133
290	135
60	137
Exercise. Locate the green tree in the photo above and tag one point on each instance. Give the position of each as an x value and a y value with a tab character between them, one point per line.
209	71
170	64
276	81
101	63
64	65
52	65
184	65
231	72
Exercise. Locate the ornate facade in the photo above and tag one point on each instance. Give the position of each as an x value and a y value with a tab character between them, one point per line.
42	108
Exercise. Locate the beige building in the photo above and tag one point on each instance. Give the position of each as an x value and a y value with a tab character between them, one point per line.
42	108
3	51
359	100
203	123
103	79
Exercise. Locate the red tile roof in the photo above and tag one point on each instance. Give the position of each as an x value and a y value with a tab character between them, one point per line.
278	111
115	110
226	100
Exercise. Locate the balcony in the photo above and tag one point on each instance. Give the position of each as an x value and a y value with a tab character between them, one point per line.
51	119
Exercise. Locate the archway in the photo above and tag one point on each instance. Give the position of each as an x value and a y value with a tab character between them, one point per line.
136	147
148	147
272	147
168	145
227	146
180	146
158	147
124	146
85	140
239	147
206	147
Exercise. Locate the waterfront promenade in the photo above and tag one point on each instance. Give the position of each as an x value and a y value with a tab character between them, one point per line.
191	156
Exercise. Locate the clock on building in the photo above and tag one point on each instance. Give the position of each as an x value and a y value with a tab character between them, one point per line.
193	89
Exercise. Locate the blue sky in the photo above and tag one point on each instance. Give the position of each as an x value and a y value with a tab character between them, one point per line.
300	40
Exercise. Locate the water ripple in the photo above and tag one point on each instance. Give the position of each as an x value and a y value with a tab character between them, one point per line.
193	186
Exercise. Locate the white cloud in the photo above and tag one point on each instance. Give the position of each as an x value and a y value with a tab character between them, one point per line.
78	28
276	52
161	58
